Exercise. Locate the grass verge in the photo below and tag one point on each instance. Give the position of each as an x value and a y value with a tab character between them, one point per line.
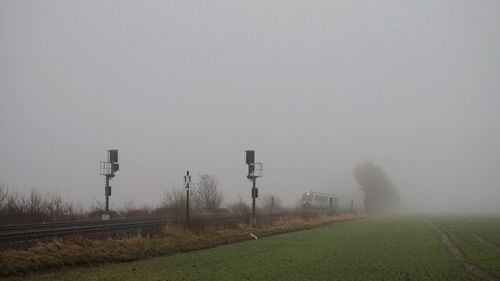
81	251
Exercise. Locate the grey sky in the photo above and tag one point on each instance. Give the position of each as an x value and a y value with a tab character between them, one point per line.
315	87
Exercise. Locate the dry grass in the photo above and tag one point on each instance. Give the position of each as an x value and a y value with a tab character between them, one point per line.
175	238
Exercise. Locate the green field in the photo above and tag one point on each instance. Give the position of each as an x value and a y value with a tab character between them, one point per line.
367	249
477	237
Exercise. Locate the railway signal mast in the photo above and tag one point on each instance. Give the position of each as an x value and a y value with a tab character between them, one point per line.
108	169
254	172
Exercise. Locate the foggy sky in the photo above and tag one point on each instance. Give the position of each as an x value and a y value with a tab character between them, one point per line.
315	87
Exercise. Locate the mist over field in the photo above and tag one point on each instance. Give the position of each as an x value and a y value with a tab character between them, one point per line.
314	88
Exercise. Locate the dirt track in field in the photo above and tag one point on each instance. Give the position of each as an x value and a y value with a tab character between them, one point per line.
485	242
459	255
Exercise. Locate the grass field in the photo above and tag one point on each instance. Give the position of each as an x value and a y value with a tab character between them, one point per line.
368	249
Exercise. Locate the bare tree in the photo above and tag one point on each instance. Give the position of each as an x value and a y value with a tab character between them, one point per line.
36	205
4	195
55	207
14	211
173	201
206	197
69	210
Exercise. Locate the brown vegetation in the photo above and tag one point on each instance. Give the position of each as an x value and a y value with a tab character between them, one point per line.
34	207
79	250
37	207
206	196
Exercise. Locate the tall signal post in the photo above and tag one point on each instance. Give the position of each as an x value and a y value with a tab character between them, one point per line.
108	169
187	183
254	172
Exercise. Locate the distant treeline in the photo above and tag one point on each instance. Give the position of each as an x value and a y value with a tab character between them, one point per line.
381	196
35	206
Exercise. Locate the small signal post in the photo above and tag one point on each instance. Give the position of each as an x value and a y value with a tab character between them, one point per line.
187	183
108	169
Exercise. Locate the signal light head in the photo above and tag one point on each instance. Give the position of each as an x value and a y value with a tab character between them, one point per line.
115	167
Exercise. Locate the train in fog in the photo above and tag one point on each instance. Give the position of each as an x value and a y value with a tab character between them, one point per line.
320	201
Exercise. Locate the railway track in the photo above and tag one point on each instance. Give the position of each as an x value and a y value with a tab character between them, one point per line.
13	235
51	225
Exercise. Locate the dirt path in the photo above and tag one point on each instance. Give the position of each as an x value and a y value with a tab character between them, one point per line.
459	255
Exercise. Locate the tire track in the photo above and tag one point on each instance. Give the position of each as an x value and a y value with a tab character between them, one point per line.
475	269
485	242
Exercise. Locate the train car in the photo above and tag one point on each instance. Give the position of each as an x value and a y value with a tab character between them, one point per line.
320	201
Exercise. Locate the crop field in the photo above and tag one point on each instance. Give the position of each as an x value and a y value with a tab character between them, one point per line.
477	237
398	248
